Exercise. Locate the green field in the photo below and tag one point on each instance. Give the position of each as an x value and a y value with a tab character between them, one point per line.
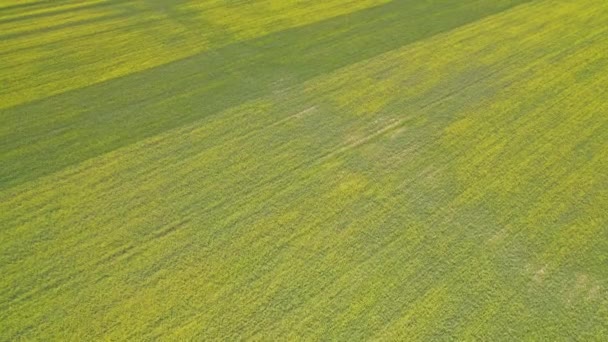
285	170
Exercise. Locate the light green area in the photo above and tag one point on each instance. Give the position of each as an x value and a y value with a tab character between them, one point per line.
336	170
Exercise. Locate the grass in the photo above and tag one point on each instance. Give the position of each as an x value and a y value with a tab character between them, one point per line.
344	170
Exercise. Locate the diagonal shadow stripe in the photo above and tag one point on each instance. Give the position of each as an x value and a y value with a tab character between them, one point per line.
48	135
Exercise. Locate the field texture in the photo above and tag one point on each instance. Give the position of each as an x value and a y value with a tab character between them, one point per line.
304	170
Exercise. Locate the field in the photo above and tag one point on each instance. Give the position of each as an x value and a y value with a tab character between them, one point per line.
304	170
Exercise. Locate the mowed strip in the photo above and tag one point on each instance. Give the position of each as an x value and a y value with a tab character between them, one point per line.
452	188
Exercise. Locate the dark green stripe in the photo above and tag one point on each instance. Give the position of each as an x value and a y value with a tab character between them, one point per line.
119	112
